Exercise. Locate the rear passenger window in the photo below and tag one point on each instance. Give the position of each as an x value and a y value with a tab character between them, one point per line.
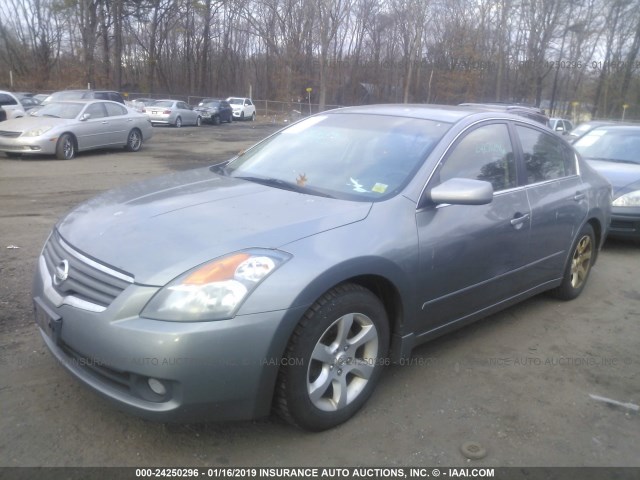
483	154
115	110
545	156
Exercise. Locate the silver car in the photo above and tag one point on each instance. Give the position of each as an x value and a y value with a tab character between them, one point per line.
288	277
66	127
172	112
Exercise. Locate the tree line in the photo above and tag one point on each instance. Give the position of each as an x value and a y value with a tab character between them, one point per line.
563	55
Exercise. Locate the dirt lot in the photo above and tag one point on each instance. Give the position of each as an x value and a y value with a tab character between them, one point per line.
517	382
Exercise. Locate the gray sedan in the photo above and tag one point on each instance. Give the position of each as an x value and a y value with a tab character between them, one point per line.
66	127
172	112
287	278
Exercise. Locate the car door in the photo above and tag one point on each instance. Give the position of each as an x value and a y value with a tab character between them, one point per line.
93	132
187	113
558	202
120	123
470	254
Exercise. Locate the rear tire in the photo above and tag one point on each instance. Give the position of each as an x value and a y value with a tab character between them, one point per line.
583	253
178	123
134	141
198	121
334	359
66	147
253	117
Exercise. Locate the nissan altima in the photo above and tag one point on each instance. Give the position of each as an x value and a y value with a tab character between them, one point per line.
289	276
63	128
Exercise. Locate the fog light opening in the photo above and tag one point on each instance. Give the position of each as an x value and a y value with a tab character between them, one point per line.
157	387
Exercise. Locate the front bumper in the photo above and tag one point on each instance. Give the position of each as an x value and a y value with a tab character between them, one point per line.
44	145
221	370
625	222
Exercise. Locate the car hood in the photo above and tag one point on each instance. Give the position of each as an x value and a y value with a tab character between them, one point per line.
624	177
27	123
158	229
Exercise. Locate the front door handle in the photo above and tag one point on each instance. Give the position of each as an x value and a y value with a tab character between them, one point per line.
519	220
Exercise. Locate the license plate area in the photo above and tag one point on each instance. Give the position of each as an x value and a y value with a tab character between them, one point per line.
49	322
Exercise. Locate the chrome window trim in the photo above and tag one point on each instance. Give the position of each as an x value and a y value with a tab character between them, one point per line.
455	139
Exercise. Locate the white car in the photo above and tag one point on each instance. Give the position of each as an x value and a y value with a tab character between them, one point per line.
11	105
243	108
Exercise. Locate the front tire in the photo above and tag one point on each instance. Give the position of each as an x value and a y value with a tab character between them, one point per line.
583	253
134	141
334	359
216	120
66	147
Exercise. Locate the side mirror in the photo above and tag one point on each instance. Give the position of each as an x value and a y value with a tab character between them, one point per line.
559	128
85	117
462	191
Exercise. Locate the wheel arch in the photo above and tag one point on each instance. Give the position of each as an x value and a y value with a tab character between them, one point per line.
387	288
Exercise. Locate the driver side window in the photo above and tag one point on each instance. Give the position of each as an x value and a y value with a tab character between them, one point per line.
483	154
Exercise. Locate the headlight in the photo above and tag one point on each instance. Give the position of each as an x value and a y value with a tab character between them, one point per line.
36	132
631	199
215	290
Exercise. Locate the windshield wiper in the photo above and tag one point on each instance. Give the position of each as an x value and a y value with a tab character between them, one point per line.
276	182
49	115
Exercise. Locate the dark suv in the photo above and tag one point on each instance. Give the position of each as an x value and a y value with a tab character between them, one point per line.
85	94
527	111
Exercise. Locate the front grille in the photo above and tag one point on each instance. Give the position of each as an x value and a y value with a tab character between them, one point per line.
5	133
87	279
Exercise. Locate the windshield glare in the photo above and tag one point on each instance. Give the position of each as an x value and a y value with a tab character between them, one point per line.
60	110
349	156
605	144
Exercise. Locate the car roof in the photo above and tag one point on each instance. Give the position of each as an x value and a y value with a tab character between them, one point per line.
440	113
84	101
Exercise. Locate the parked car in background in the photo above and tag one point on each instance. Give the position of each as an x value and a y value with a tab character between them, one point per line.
3	114
172	112
560	126
28	103
215	111
11	105
525	111
207	100
84	95
41	97
243	108
586	127
614	151
140	103
66	127
289	276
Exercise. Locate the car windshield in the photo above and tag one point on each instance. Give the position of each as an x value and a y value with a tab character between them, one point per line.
61	110
613	145
211	104
349	156
236	101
